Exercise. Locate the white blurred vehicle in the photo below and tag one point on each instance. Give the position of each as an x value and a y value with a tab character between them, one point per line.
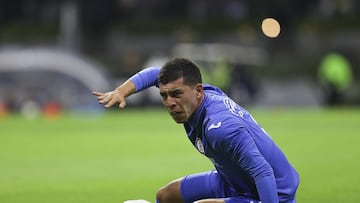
31	78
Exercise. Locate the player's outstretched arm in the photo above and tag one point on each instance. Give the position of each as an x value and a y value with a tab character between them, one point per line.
117	96
138	82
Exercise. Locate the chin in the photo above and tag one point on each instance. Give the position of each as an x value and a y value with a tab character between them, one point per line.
179	121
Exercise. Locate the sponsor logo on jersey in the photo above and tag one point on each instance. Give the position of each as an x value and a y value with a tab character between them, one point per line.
214	125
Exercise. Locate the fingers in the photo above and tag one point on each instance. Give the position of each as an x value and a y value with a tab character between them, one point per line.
103	98
109	99
109	102
97	93
122	104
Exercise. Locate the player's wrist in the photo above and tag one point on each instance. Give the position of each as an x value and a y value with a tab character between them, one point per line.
126	89
119	90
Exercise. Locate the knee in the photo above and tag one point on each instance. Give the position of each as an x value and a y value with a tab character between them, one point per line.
169	193
163	195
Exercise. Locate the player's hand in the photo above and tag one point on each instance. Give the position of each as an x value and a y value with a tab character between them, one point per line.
109	99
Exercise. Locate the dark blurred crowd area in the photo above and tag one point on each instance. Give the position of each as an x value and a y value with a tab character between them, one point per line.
124	34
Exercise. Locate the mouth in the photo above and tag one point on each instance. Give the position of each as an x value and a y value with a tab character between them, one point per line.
178	116
175	113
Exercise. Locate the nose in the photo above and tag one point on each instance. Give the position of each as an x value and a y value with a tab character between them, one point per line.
170	102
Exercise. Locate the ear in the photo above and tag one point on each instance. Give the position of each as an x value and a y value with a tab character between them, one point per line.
199	89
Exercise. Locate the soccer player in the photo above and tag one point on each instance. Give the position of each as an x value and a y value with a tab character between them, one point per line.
249	166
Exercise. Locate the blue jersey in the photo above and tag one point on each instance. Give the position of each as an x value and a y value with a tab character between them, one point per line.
242	152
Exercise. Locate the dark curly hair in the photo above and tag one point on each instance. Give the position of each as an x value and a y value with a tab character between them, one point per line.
180	67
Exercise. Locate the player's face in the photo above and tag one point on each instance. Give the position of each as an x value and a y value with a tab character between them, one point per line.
181	100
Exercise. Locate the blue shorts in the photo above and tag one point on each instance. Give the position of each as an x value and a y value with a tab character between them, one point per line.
210	185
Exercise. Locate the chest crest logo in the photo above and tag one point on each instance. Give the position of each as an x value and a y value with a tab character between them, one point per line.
199	145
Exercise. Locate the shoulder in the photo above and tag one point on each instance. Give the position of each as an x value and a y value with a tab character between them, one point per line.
222	125
219	119
224	134
213	89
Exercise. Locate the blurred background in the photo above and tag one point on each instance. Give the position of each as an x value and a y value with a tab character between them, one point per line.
53	53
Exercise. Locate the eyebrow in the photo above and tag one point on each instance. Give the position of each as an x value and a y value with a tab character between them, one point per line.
171	91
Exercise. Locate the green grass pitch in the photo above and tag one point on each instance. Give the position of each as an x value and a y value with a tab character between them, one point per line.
129	154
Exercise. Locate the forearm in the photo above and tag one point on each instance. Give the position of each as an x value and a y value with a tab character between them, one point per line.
266	187
145	78
126	89
243	150
138	82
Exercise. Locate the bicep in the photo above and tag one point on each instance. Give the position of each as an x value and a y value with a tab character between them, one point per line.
242	149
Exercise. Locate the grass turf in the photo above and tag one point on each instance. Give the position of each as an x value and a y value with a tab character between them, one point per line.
130	154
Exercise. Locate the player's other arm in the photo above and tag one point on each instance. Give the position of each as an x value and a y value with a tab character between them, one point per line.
239	146
138	82
250	159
